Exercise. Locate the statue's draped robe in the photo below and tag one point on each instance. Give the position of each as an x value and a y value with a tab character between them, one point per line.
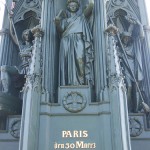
76	52
131	61
133	53
138	58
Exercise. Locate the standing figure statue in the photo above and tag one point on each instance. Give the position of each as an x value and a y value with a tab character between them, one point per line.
127	43
132	63
26	50
76	54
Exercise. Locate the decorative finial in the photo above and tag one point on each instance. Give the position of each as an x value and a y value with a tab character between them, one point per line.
112	30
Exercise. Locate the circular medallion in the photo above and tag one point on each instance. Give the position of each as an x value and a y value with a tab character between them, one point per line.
135	127
118	2
74	102
15	128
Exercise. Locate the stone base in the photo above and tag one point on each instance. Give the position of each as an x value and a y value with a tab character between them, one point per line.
10	105
139	131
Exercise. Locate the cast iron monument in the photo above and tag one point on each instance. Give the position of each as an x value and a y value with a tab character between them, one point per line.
75	75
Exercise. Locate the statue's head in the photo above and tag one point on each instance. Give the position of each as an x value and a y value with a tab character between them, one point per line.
73	5
126	38
26	35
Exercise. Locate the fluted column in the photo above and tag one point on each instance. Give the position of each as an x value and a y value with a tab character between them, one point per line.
100	51
118	98
4	42
143	11
146	60
32	98
8	50
49	50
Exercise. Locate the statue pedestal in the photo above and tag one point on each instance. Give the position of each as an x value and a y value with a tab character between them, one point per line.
63	128
9	105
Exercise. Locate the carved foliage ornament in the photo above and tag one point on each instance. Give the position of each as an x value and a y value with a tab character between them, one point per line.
74	102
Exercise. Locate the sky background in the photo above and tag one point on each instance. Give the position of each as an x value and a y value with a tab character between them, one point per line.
148	9
3	1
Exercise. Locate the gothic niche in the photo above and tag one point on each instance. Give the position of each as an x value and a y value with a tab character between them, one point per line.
130	39
76	55
24	39
13	77
29	21
74	27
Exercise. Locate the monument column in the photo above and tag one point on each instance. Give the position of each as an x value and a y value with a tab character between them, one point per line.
118	99
8	49
100	53
32	98
143	11
49	68
4	51
146	58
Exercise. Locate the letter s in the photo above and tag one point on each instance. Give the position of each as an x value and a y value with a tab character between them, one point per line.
85	133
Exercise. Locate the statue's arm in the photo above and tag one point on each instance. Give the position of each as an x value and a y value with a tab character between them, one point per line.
88	11
57	21
133	22
13	36
58	25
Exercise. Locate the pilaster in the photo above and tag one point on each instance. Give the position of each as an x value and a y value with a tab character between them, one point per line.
50	55
143	12
118	99
100	51
7	49
32	97
146	58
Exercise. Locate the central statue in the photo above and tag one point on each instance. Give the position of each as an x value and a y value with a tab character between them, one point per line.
76	53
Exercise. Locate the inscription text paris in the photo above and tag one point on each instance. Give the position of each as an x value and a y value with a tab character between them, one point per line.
78	143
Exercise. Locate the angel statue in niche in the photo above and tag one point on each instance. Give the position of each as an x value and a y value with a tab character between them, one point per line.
76	53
